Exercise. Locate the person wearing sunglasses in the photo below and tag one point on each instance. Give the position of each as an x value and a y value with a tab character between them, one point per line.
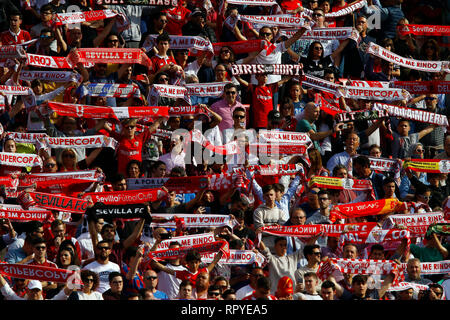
226	106
90	281
151	282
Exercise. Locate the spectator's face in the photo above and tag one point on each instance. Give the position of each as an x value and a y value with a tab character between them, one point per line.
186	292
325	6
65	258
221	73
40	250
50	166
295	92
361	24
280	248
159	172
134	171
15	22
375	152
329	77
202	280
324	201
266	34
406	294
262	293
313	4
359	289
403	128
34	294
341	173
389	189
10	146
350	252
310	284
239	119
163	46
120	185
223	285
116	284
318	16
315	256
112	41
161	22
413	269
109	234
46	16
230	95
377	255
352	142
150	279
75	35
431	102
99	225
313	200
59	231
327	293
255	275
425	197
298	217
100	69
269	197
199	20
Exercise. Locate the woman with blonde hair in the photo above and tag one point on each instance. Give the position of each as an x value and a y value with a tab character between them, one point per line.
69	162
316	168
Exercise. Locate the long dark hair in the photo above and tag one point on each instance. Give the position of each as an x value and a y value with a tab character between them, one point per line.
310	50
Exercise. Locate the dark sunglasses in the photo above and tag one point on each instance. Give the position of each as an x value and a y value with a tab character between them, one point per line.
238	117
420	151
317	253
266	33
40	247
214	293
225	51
69	155
103	248
151	278
50	165
430	98
89	280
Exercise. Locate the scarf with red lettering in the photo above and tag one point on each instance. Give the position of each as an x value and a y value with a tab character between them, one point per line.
274	137
189	240
423	87
55	76
373	93
12	52
277	149
275	69
283	20
210	89
376	235
424	30
78	17
271	169
321	84
181	43
177	253
62	178
341	12
413	114
229	148
359	266
326	34
94	112
25	137
428	165
48	61
417	224
185	110
35	272
439	267
193	220
126	197
15	90
254	2
110	55
58	202
238	257
401	286
368	208
20	159
240	47
97	141
170	91
421	65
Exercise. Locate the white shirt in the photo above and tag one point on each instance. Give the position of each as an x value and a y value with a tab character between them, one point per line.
243	292
168	283
273	58
103	271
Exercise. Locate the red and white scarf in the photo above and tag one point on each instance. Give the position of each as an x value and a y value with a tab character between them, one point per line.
276	69
401	286
114	90
59	202
20	159
37	60
35	272
66	178
428	165
16	212
413	114
12	52
177	253
238	257
55	76
240	47
417	224
109	55
368	208
277	149
326	33
25	137
424	30
332	230
321	84
210	89
97	141
78	17
342	12
423	87
374	93
185	110
421	65
126	197
385	165
271	169
275	137
439	267
15	90
253	2
277	20
181	43
195	220
189	240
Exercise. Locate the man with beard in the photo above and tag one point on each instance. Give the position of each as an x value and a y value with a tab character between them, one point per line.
102	266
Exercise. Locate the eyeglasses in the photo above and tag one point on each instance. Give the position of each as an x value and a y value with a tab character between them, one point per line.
230	92
317	253
46	13
237	116
44	36
430	98
265	34
225	51
68	155
214	293
50	165
317	48
103	248
89	280
40	247
420	151
163	21
151	278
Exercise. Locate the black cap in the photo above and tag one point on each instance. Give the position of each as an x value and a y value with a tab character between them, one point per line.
274	116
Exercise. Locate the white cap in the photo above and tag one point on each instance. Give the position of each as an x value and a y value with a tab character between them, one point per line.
34	284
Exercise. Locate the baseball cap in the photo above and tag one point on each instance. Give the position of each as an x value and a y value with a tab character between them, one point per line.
34	284
285	286
196	12
274	116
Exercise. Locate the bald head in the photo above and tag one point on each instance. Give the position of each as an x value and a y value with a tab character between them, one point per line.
312	112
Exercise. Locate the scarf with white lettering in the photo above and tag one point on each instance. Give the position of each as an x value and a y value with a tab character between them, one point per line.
97	141
364	115
275	69
413	114
421	65
78	17
37	60
424	30
238	257
36	272
137	210
20	159
368	208
240	47
64	178
423	87
9	182
126	197
177	253
55	76
181	43
194	220
110	55
94	112
321	84
18	214
113	90
428	165
58	202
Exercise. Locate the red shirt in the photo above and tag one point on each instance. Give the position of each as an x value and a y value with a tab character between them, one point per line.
252	297
177	17
339	21
289	5
129	149
159	62
9	38
187	275
52	250
262	103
